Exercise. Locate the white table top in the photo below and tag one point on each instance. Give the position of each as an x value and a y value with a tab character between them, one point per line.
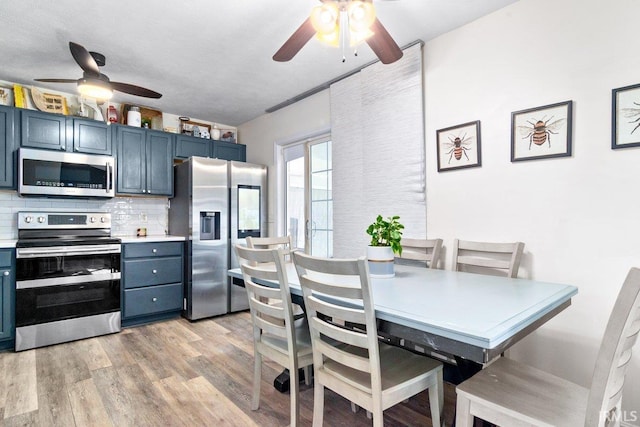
474	309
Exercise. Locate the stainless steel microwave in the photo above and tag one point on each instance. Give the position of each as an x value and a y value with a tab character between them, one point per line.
56	173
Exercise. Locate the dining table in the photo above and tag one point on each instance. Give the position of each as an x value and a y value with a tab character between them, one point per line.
472	317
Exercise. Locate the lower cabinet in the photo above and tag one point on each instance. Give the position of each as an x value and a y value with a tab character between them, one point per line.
152	281
7	298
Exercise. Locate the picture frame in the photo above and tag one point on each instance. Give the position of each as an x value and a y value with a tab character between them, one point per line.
542	132
228	135
625	117
459	146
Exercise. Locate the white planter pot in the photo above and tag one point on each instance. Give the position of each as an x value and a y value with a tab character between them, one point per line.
380	261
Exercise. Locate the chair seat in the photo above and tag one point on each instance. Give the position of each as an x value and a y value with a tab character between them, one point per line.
397	366
517	391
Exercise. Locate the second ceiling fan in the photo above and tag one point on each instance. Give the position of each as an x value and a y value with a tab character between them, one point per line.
331	21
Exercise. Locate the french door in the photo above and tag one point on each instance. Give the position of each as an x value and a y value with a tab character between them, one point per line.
308	215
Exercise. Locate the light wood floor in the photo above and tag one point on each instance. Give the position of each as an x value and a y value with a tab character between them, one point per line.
173	373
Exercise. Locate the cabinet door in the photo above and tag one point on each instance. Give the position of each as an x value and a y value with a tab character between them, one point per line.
159	163
7	127
6	303
189	146
229	151
43	130
131	161
91	136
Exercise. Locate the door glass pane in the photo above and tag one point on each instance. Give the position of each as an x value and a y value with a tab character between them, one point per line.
295	195
321	199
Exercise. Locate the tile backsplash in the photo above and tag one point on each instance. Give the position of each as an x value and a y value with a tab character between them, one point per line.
128	213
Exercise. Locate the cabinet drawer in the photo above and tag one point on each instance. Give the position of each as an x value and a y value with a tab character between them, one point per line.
149	272
158	249
151	300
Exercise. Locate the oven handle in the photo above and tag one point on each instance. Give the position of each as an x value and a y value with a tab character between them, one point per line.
67	280
67	251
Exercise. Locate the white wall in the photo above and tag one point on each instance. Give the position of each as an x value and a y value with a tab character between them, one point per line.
290	124
579	215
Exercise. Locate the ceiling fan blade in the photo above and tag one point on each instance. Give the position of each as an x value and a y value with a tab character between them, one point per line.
297	40
84	59
57	80
135	90
383	44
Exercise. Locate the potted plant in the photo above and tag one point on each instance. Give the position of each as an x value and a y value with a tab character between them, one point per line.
385	241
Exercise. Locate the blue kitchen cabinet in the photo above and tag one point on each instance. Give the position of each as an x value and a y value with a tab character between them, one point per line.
7	136
144	161
229	151
91	136
57	132
190	146
43	130
152	281
7	298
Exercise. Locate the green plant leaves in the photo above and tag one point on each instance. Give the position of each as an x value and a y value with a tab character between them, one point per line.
386	232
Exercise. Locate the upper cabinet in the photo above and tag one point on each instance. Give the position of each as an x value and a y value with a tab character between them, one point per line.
145	161
56	132
7	132
188	146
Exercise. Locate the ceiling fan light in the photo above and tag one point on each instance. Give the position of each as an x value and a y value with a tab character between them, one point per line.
330	38
92	88
357	37
362	15
324	17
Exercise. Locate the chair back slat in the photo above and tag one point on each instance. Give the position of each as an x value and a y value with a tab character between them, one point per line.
427	251
270	326
352	315
340	333
283	242
351	359
260	290
615	352
325	282
500	259
266	272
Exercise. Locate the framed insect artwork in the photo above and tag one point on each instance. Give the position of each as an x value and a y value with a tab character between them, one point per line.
625	117
459	146
542	132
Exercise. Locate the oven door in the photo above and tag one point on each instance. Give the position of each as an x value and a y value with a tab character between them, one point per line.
58	283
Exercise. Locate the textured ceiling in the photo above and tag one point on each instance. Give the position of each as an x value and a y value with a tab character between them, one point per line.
211	59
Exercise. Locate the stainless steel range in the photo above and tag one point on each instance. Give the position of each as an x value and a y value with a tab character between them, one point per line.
67	278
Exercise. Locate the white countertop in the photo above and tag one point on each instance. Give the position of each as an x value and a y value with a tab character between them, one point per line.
8	243
157	238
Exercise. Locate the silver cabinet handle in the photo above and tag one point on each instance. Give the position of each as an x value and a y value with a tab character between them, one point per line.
6	273
154	271
154	299
154	250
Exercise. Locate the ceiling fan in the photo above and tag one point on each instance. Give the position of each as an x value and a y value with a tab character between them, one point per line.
93	83
332	20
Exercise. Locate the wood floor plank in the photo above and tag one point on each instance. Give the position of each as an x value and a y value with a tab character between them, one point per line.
21	384
87	406
93	354
54	407
176	373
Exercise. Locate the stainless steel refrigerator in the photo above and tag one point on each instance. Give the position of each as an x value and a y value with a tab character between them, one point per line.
216	204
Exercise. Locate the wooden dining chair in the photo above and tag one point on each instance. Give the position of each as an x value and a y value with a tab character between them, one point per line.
424	251
276	335
352	362
499	259
509	393
283	242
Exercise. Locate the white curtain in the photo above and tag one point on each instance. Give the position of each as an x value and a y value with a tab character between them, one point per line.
377	129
